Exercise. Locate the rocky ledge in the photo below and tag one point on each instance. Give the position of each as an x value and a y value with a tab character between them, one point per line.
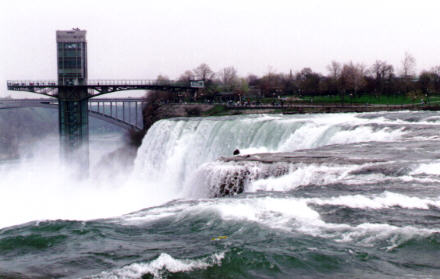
229	176
304	157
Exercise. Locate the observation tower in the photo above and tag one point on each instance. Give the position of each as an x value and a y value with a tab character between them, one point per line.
72	95
73	90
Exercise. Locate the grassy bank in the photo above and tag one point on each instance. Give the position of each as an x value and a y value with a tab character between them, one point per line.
217	110
366	99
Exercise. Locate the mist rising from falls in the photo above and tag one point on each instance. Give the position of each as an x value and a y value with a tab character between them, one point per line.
42	187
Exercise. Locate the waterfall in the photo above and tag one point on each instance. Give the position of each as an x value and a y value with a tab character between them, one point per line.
173	150
179	159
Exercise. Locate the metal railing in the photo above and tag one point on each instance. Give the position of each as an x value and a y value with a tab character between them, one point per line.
27	83
97	83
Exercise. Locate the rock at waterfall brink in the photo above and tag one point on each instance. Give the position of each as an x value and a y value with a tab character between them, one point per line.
230	175
230	178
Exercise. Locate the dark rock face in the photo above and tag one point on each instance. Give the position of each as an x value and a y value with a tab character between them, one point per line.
134	137
235	182
231	178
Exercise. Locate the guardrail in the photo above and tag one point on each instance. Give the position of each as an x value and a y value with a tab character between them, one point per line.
105	82
26	83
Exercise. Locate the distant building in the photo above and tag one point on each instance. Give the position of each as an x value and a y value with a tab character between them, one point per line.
72	57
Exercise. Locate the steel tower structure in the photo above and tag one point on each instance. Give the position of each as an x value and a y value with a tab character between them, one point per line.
73	90
72	96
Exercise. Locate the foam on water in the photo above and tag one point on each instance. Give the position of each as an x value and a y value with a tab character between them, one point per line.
302	175
368	234
428	168
432	119
158	266
384	200
296	215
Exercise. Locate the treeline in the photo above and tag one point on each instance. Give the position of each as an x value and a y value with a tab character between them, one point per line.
345	80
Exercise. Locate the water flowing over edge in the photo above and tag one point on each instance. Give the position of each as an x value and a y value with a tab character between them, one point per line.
170	160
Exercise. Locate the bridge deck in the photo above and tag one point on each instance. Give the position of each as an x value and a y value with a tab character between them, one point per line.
103	82
100	87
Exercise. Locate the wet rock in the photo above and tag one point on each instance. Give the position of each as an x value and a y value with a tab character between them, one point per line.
231	178
231	175
297	157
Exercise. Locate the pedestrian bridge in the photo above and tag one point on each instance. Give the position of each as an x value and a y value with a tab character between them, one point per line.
122	112
95	88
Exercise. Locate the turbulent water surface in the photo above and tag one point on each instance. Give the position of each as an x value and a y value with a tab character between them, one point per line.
367	207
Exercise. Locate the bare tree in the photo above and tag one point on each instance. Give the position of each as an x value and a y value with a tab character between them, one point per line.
353	77
162	78
157	95
427	81
203	72
381	70
382	73
308	81
408	66
252	79
228	77
436	70
335	69
188	75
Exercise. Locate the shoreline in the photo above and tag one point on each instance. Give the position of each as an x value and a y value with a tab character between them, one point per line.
204	110
154	113
329	108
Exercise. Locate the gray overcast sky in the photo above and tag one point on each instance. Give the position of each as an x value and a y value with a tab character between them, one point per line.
142	39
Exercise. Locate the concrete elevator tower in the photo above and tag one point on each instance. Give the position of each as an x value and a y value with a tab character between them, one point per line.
73	95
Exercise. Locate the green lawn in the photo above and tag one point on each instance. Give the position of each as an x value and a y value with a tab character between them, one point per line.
216	110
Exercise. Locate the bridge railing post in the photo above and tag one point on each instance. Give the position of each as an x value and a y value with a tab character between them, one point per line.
123	111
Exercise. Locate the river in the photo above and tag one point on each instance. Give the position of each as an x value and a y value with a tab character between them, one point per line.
366	205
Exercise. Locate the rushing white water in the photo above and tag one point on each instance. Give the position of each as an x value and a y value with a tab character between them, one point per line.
429	168
174	149
303	175
297	215
384	200
41	188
